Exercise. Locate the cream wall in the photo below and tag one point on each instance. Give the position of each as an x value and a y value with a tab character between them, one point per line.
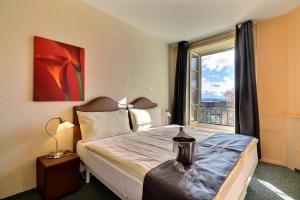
277	49
120	62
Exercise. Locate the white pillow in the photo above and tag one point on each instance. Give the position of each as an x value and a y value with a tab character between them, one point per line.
97	125
145	118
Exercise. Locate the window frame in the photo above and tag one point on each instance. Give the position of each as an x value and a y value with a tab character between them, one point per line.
196	123
198	88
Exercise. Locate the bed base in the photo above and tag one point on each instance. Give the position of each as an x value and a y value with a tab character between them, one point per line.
244	192
89	173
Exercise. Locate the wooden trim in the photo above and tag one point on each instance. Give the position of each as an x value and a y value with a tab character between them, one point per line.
142	103
267	160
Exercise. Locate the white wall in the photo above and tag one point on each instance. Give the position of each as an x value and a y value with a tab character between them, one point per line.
120	62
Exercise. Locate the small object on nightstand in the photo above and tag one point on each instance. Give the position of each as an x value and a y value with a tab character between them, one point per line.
57	177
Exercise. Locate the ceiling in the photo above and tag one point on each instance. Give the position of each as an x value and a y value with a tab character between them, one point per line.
175	20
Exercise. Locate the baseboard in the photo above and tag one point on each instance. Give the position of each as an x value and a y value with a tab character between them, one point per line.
275	162
20	195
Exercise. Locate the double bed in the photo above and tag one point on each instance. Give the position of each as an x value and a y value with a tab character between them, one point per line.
121	162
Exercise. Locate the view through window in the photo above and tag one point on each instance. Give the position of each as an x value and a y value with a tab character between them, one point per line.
212	88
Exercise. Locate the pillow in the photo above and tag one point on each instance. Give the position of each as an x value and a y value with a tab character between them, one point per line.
145	118
97	125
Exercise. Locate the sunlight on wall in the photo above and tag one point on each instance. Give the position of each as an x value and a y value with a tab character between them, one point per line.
275	190
123	101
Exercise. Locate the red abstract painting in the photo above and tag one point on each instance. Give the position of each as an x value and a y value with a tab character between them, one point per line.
58	71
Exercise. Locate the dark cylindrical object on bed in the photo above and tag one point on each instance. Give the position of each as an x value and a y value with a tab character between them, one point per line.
185	152
184	146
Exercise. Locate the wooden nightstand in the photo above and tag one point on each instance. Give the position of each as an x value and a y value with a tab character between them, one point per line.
56	177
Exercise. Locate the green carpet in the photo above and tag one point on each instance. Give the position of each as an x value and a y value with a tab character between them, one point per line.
273	182
270	182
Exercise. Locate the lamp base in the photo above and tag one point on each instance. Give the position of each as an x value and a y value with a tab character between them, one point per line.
55	154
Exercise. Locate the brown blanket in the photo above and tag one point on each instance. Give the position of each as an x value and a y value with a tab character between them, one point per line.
217	156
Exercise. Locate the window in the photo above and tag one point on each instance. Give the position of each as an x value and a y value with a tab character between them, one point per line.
212	86
194	84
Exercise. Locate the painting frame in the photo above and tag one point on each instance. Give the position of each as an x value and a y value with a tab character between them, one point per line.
59	70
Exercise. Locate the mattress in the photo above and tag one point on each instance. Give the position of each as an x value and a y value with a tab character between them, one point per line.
128	185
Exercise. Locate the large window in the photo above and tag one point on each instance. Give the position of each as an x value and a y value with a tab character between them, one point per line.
212	87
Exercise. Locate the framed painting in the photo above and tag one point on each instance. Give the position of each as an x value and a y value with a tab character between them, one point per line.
58	71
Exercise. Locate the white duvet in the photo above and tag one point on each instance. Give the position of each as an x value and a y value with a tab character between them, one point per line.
139	152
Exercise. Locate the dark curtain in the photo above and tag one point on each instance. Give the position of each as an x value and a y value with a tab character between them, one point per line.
246	106
180	84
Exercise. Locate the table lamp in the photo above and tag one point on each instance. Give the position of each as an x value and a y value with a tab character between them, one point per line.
62	125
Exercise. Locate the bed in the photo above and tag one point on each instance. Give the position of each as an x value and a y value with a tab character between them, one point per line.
127	182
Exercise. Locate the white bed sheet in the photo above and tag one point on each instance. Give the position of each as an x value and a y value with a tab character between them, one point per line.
123	184
127	186
139	152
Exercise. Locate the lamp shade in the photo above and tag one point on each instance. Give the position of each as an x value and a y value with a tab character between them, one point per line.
64	125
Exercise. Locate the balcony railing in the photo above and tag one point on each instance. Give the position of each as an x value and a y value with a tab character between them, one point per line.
218	115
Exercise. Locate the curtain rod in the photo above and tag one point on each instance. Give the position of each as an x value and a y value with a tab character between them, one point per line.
213	35
207	36
219	33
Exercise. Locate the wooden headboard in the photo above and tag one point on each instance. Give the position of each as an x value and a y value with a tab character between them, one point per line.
142	103
100	104
105	104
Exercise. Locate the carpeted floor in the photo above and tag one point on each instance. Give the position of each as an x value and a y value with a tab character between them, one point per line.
270	182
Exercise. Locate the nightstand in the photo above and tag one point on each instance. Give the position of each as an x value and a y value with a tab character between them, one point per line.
56	177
